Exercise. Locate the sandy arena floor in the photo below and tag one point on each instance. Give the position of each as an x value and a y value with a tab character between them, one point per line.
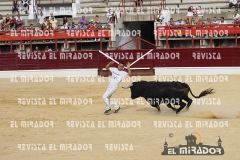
145	140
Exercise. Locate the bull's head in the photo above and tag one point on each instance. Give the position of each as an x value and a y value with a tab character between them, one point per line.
136	89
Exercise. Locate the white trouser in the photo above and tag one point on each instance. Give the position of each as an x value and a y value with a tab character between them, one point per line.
107	97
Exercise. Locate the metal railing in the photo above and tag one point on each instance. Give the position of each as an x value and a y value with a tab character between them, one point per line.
55	35
137	43
202	31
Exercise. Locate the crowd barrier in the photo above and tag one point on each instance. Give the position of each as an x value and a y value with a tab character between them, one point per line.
201	57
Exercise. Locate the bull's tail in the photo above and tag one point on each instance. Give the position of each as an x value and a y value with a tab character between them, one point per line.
203	93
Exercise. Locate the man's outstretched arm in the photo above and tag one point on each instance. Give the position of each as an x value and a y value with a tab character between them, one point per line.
129	70
109	64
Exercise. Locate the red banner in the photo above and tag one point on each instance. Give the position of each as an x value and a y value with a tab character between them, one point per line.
194	57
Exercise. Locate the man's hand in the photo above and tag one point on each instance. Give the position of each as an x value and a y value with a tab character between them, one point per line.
128	65
111	63
129	70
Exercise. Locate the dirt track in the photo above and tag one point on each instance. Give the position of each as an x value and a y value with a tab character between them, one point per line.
147	140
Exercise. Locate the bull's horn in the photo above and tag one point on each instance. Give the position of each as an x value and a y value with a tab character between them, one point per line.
127	86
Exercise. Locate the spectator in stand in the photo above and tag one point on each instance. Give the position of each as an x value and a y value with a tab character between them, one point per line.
83	20
138	3
43	27
113	18
1	22
160	18
64	26
50	28
47	49
25	5
97	19
22	28
40	20
199	17
46	22
36	49
106	1
215	22
19	22
109	15
65	21
236	17
31	28
13	22
73	26
82	26
96	27
91	25
7	23
209	22
20	6
222	21
180	22
51	16
207	25
15	6
189	17
35	12
233	3
171	24
54	23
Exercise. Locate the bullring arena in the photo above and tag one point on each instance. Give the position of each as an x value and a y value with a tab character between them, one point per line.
47	130
53	76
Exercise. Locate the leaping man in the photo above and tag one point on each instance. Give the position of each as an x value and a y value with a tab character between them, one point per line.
118	74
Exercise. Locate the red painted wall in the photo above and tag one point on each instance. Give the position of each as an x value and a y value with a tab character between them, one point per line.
194	57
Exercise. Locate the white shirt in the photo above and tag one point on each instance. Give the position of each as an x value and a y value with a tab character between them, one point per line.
236	16
64	27
41	19
224	22
161	17
233	1
109	15
199	13
117	77
54	23
215	22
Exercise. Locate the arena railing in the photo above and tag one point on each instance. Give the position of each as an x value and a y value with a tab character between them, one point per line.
224	30
57	34
137	43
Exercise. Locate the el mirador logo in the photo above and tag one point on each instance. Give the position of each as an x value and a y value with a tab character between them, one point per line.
194	146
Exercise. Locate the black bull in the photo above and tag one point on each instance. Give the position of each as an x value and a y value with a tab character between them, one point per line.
165	92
